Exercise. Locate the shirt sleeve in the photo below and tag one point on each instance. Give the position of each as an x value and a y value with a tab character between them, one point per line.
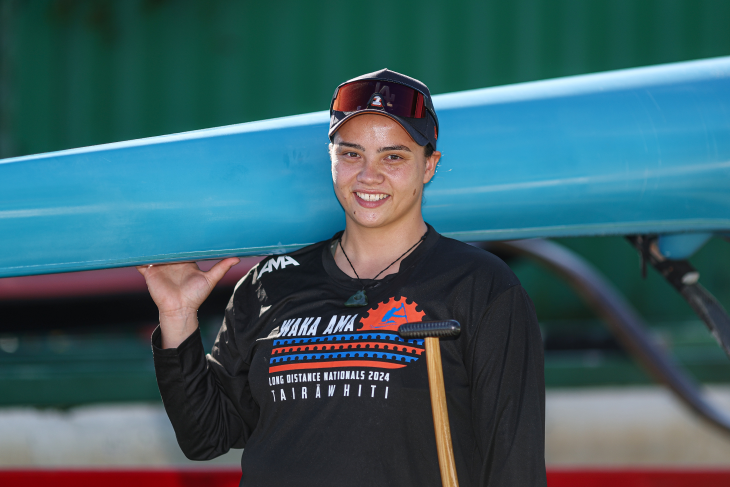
208	398
505	362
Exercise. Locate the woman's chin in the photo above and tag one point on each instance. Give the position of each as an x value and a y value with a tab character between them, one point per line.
367	219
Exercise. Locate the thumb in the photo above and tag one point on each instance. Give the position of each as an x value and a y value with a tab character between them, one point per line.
219	270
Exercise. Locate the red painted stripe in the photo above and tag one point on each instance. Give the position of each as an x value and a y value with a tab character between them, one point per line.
343	363
102	282
348	346
638	478
120	478
231	478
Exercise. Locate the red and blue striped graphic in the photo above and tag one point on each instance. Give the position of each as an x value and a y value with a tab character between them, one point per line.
365	349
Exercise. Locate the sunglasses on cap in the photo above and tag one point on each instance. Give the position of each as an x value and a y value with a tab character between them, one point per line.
394	98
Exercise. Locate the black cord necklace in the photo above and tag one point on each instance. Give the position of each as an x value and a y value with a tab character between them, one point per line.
360	299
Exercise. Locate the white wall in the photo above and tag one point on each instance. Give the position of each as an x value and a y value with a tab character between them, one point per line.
587	427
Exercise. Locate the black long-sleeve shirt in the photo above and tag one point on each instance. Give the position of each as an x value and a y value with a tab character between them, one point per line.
321	394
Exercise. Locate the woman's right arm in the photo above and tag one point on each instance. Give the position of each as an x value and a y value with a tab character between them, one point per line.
206	398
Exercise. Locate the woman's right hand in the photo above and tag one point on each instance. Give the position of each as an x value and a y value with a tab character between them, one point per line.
178	290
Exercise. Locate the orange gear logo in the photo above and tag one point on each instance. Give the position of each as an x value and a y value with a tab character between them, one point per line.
391	314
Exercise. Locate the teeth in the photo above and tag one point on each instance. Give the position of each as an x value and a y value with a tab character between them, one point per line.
372	197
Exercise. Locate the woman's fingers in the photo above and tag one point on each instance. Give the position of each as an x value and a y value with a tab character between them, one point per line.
173	270
180	286
219	270
142	269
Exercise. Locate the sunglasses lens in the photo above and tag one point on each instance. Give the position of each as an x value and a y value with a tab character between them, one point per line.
394	98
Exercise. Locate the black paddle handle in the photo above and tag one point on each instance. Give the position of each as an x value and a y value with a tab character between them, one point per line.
425	329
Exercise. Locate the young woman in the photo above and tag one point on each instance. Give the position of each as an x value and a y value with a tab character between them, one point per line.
308	374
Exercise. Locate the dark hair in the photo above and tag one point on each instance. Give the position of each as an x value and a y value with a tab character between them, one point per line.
428	150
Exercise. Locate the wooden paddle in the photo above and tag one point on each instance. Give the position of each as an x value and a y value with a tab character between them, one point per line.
431	331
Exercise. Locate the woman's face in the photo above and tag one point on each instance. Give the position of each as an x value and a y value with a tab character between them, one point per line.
379	171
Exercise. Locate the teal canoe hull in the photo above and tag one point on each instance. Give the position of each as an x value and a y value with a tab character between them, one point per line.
644	150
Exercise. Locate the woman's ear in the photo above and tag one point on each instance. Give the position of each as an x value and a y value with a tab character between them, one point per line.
431	163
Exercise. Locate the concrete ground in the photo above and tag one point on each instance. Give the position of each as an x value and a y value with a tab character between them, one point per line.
641	426
138	435
621	427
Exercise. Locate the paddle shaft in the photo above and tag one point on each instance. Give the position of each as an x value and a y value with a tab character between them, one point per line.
440	414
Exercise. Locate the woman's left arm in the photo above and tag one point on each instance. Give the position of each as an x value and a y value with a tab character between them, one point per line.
504	359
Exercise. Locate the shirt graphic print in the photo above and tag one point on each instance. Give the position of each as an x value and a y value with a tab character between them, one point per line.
372	341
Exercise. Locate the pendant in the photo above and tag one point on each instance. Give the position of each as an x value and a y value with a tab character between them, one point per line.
357	300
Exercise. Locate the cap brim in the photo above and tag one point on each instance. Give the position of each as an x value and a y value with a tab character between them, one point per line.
415	134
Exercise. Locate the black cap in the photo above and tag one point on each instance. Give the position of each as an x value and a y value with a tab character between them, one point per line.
423	130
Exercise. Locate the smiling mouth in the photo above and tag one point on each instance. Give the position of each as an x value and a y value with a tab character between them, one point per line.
371	197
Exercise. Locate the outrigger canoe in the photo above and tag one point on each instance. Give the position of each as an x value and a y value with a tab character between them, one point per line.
636	151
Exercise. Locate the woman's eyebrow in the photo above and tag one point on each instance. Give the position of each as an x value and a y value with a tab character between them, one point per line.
350	144
394	147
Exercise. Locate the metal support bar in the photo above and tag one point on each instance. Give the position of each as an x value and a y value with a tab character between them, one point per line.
684	278
621	318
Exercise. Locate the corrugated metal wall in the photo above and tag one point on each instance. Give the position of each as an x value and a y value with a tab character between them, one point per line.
82	72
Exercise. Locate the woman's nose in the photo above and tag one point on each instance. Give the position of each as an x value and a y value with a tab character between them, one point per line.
369	173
